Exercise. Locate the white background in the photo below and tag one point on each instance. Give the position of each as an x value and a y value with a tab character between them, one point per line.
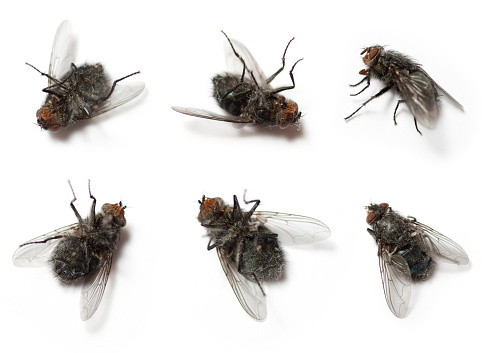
165	290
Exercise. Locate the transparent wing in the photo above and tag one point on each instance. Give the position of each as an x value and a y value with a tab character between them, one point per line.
396	279
235	66
439	246
63	53
247	292
418	91
291	228
201	113
121	95
36	252
443	91
93	289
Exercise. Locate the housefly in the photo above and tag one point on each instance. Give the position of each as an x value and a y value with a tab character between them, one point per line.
78	92
250	99
248	244
79	252
407	252
401	73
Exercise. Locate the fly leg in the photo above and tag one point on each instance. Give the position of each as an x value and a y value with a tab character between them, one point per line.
243	71
80	220
256	280
270	79
238	253
368	83
92	211
43	74
254	207
57	83
394	116
416	127
380	93
396	108
119	80
280	89
210	247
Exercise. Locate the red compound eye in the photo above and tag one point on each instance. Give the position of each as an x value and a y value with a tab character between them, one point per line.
370	217
372	53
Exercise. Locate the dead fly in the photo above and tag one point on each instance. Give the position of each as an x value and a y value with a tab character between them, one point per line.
250	99
407	250
416	88
79	252
78	92
249	245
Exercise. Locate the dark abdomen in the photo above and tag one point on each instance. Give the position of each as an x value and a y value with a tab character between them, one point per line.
235	102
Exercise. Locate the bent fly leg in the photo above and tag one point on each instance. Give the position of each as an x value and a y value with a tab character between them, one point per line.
368	83
92	210
80	220
244	67
119	80
280	89
270	79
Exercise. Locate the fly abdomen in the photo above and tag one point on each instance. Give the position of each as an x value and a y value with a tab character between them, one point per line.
92	82
420	264
234	101
262	258
71	260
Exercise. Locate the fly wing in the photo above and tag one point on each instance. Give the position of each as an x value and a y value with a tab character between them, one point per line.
439	88
291	228
418	91
63	52
439	246
93	288
37	252
206	114
121	95
235	66
248	293
396	278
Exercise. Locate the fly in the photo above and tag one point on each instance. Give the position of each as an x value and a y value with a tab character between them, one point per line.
79	252
407	252
399	72
250	99
248	244
78	92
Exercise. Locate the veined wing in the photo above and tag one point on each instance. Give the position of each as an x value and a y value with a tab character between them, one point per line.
235	66
36	252
396	278
122	94
93	288
248	293
438	246
291	228
418	91
63	52
439	88
206	114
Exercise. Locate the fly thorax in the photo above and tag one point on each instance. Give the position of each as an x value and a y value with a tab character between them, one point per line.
392	229
104	240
